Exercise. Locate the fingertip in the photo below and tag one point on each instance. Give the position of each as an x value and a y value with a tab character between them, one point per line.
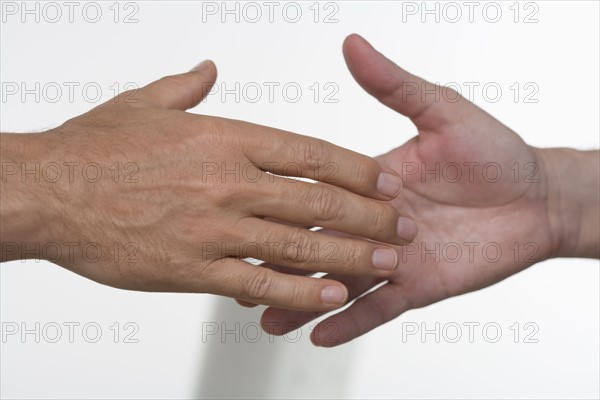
323	336
207	72
245	303
314	339
200	66
181	91
270	323
407	229
212	67
389	184
349	40
334	295
385	260
205	66
355	49
352	40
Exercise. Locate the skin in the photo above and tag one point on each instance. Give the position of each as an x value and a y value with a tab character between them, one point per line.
551	208
170	217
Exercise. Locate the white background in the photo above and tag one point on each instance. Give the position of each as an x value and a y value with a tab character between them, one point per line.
559	54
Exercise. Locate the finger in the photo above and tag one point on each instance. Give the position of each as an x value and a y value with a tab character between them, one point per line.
234	278
353	284
279	221
333	208
183	91
278	321
276	268
246	303
403	92
365	314
287	270
312	251
288	154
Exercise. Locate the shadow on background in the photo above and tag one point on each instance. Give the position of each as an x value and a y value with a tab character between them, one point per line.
241	364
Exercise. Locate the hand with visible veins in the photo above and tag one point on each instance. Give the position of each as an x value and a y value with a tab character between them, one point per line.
175	201
499	207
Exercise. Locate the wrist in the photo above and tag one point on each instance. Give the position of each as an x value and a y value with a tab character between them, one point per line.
26	201
573	201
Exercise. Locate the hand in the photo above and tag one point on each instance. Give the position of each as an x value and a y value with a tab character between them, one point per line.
152	198
491	207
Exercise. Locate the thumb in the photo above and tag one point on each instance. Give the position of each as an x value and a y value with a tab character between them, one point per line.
182	91
429	106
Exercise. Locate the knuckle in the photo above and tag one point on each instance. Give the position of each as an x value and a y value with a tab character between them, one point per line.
451	95
366	172
208	190
313	153
354	258
302	292
298	248
260	285
223	194
325	204
268	237
172	80
129	97
378	311
296	297
383	220
212	132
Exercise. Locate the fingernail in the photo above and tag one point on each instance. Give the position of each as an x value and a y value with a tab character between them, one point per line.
406	229
200	66
333	295
385	259
389	184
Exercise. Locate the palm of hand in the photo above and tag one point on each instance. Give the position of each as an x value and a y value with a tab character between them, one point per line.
476	190
478	196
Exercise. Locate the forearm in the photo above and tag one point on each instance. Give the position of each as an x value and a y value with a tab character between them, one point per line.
574	200
24	195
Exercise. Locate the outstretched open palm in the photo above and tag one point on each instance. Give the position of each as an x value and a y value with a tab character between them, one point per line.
478	193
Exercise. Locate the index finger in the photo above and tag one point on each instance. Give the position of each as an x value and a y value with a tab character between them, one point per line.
290	154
